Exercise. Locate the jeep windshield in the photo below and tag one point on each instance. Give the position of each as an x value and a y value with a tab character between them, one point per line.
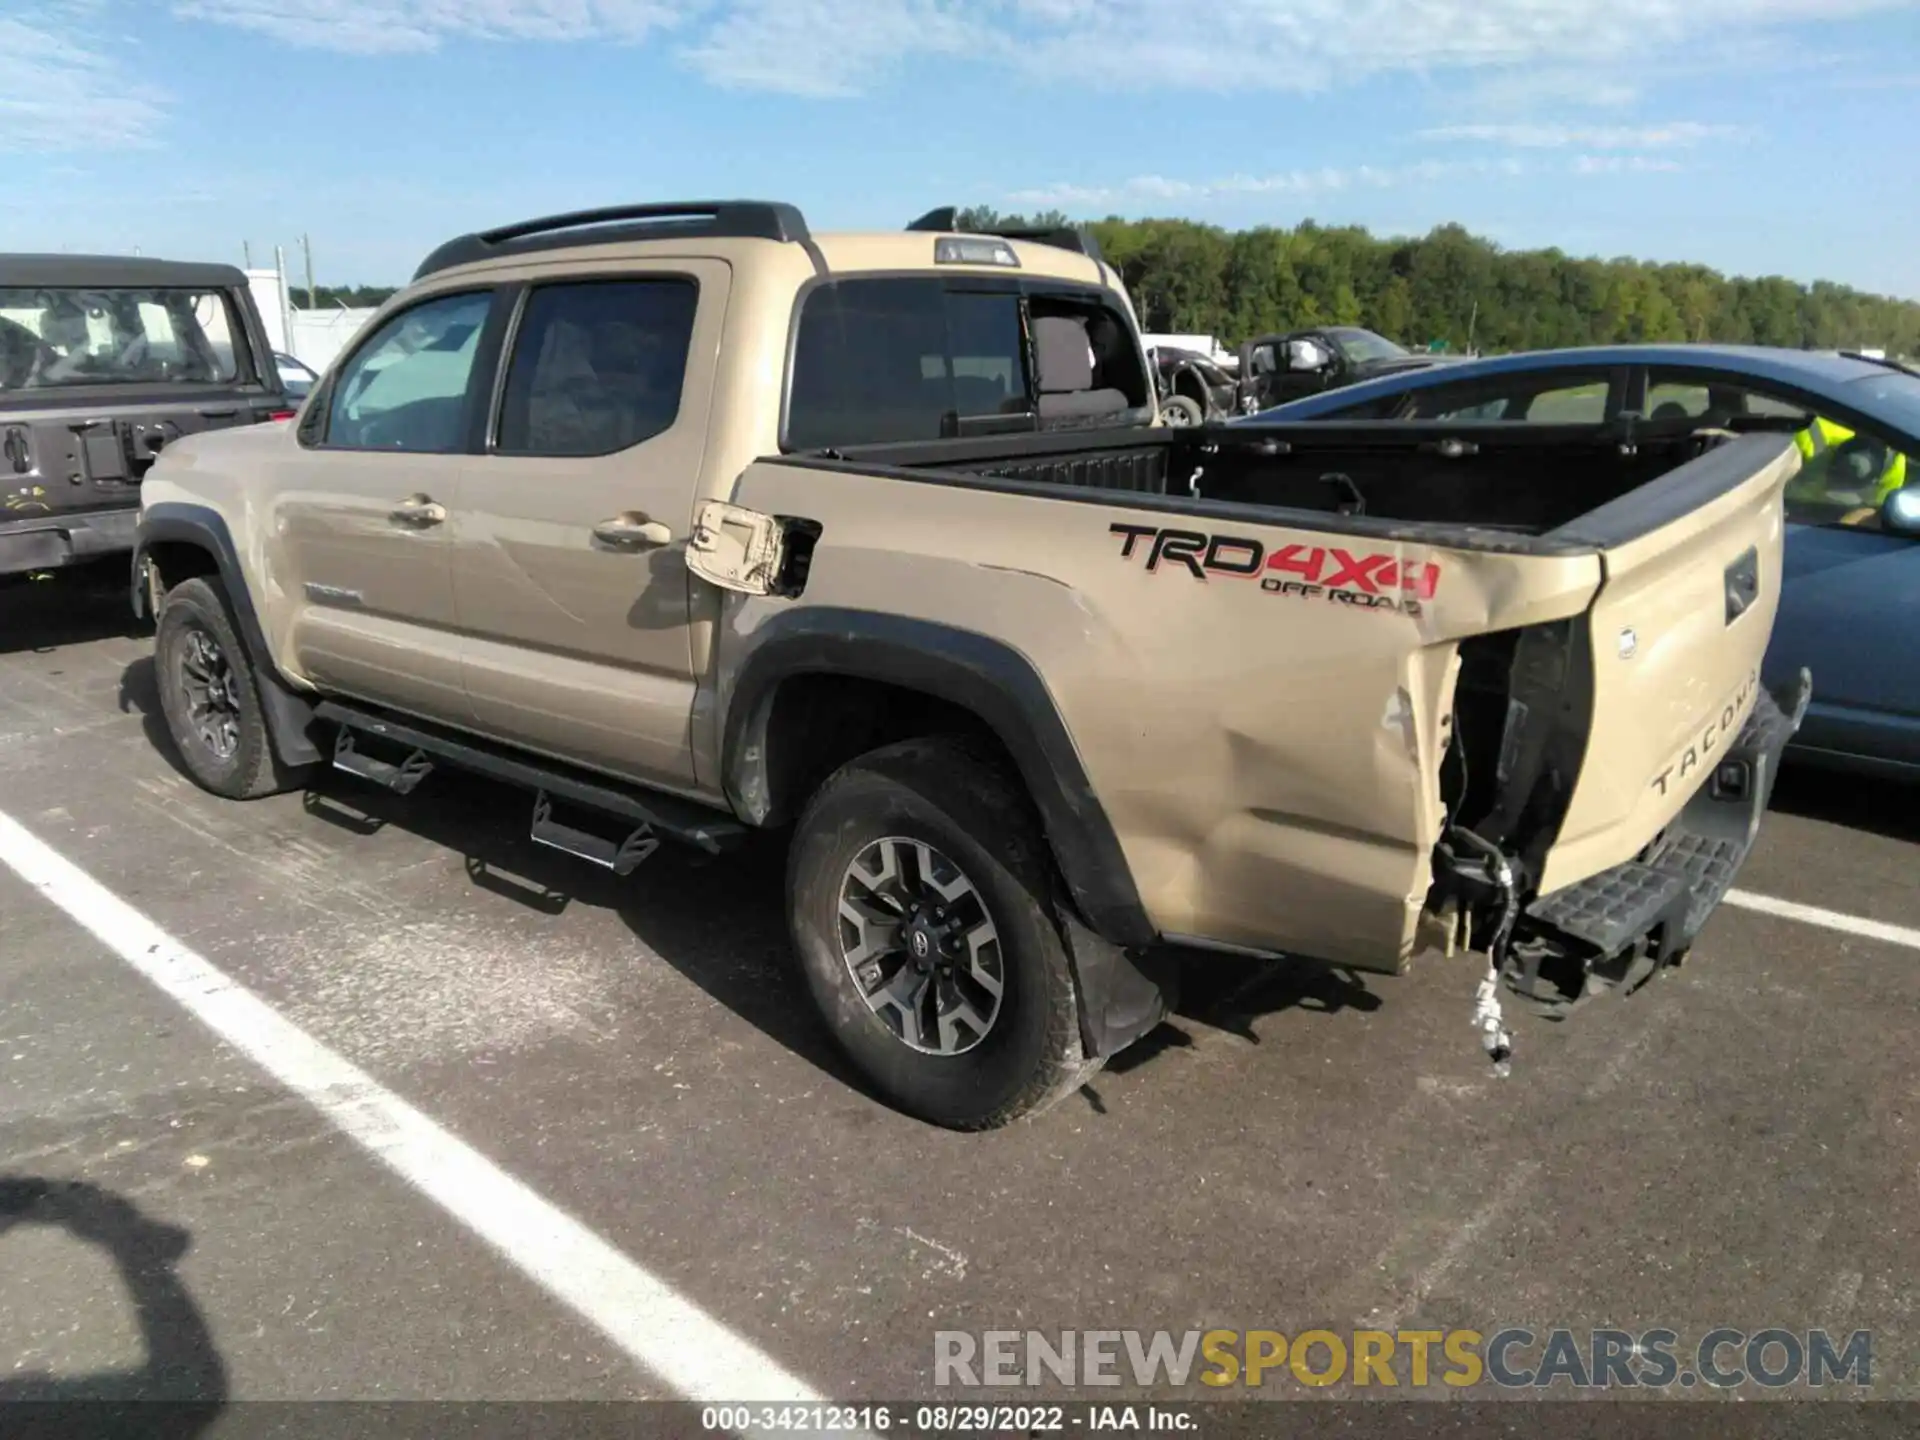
131	335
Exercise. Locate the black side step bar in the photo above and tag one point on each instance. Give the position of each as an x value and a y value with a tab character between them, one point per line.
622	857
710	830
399	778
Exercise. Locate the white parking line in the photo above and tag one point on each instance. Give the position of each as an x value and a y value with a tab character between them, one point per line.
665	1333
1829	919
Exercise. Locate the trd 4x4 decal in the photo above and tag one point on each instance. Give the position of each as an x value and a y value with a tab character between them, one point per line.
1373	582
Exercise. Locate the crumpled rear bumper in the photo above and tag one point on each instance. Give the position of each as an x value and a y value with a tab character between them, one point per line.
1614	930
48	542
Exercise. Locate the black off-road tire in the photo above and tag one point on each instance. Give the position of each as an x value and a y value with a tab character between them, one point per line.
960	797
199	606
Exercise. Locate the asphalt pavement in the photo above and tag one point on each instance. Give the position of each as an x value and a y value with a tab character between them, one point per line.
1737	1146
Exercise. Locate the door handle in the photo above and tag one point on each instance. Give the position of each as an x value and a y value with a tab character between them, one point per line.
631	531
418	511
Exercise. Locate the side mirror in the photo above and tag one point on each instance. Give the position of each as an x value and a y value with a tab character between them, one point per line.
1900	512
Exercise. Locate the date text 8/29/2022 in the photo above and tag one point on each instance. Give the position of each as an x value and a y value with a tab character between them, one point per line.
950	1419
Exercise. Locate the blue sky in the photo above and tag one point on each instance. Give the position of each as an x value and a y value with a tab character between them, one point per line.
1757	136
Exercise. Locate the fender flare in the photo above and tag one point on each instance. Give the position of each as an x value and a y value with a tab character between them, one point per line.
1125	988
288	713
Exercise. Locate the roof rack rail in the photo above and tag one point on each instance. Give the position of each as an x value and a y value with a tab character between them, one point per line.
1077	238
712	219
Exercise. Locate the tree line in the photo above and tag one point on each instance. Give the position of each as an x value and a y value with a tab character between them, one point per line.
1453	288
1448	288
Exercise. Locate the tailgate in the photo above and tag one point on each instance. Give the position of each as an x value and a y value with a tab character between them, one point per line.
65	458
1692	568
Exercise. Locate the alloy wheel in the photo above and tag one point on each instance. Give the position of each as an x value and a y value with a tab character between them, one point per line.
920	946
208	681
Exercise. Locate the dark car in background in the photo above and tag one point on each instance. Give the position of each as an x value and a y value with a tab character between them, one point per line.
1275	369
104	361
1850	604
1193	388
296	376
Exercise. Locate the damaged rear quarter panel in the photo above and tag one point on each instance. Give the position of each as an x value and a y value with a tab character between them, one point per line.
1267	756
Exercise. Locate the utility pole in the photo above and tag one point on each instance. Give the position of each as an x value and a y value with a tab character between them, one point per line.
306	249
286	302
246	251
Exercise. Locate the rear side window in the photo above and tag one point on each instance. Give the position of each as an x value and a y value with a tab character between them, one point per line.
1674	395
889	360
597	366
1559	399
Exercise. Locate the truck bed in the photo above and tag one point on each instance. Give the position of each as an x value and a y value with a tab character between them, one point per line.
1481	485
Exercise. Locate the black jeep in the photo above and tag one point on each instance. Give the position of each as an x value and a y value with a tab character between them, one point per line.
105	360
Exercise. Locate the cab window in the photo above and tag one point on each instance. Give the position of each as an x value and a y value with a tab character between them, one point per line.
898	359
879	361
406	387
598	366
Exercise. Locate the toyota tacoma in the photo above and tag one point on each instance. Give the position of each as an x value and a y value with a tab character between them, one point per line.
692	522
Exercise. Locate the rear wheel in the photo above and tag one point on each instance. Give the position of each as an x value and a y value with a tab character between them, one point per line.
920	899
210	699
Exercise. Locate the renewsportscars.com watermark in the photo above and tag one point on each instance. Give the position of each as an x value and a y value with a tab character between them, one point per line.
1515	1358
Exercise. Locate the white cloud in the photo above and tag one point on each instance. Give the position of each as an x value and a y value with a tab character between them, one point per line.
1625	164
831	48
1142	192
1260	45
58	94
1678	134
372	27
1155	188
1523	91
836	47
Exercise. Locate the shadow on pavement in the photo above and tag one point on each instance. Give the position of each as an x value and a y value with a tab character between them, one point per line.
1229	994
1858	802
140	693
182	1366
71	607
721	921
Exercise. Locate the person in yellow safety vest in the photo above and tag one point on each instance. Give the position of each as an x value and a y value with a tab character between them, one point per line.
1838	466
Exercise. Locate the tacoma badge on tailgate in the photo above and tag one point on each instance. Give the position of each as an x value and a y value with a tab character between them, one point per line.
1711	736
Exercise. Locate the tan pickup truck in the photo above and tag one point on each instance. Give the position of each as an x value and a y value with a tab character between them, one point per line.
690	522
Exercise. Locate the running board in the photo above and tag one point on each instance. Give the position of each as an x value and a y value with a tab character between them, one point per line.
622	857
667	816
400	778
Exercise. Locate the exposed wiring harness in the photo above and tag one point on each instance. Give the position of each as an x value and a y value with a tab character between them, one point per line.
1488	1019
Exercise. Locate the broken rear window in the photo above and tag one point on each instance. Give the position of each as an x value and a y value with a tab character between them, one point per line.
123	335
